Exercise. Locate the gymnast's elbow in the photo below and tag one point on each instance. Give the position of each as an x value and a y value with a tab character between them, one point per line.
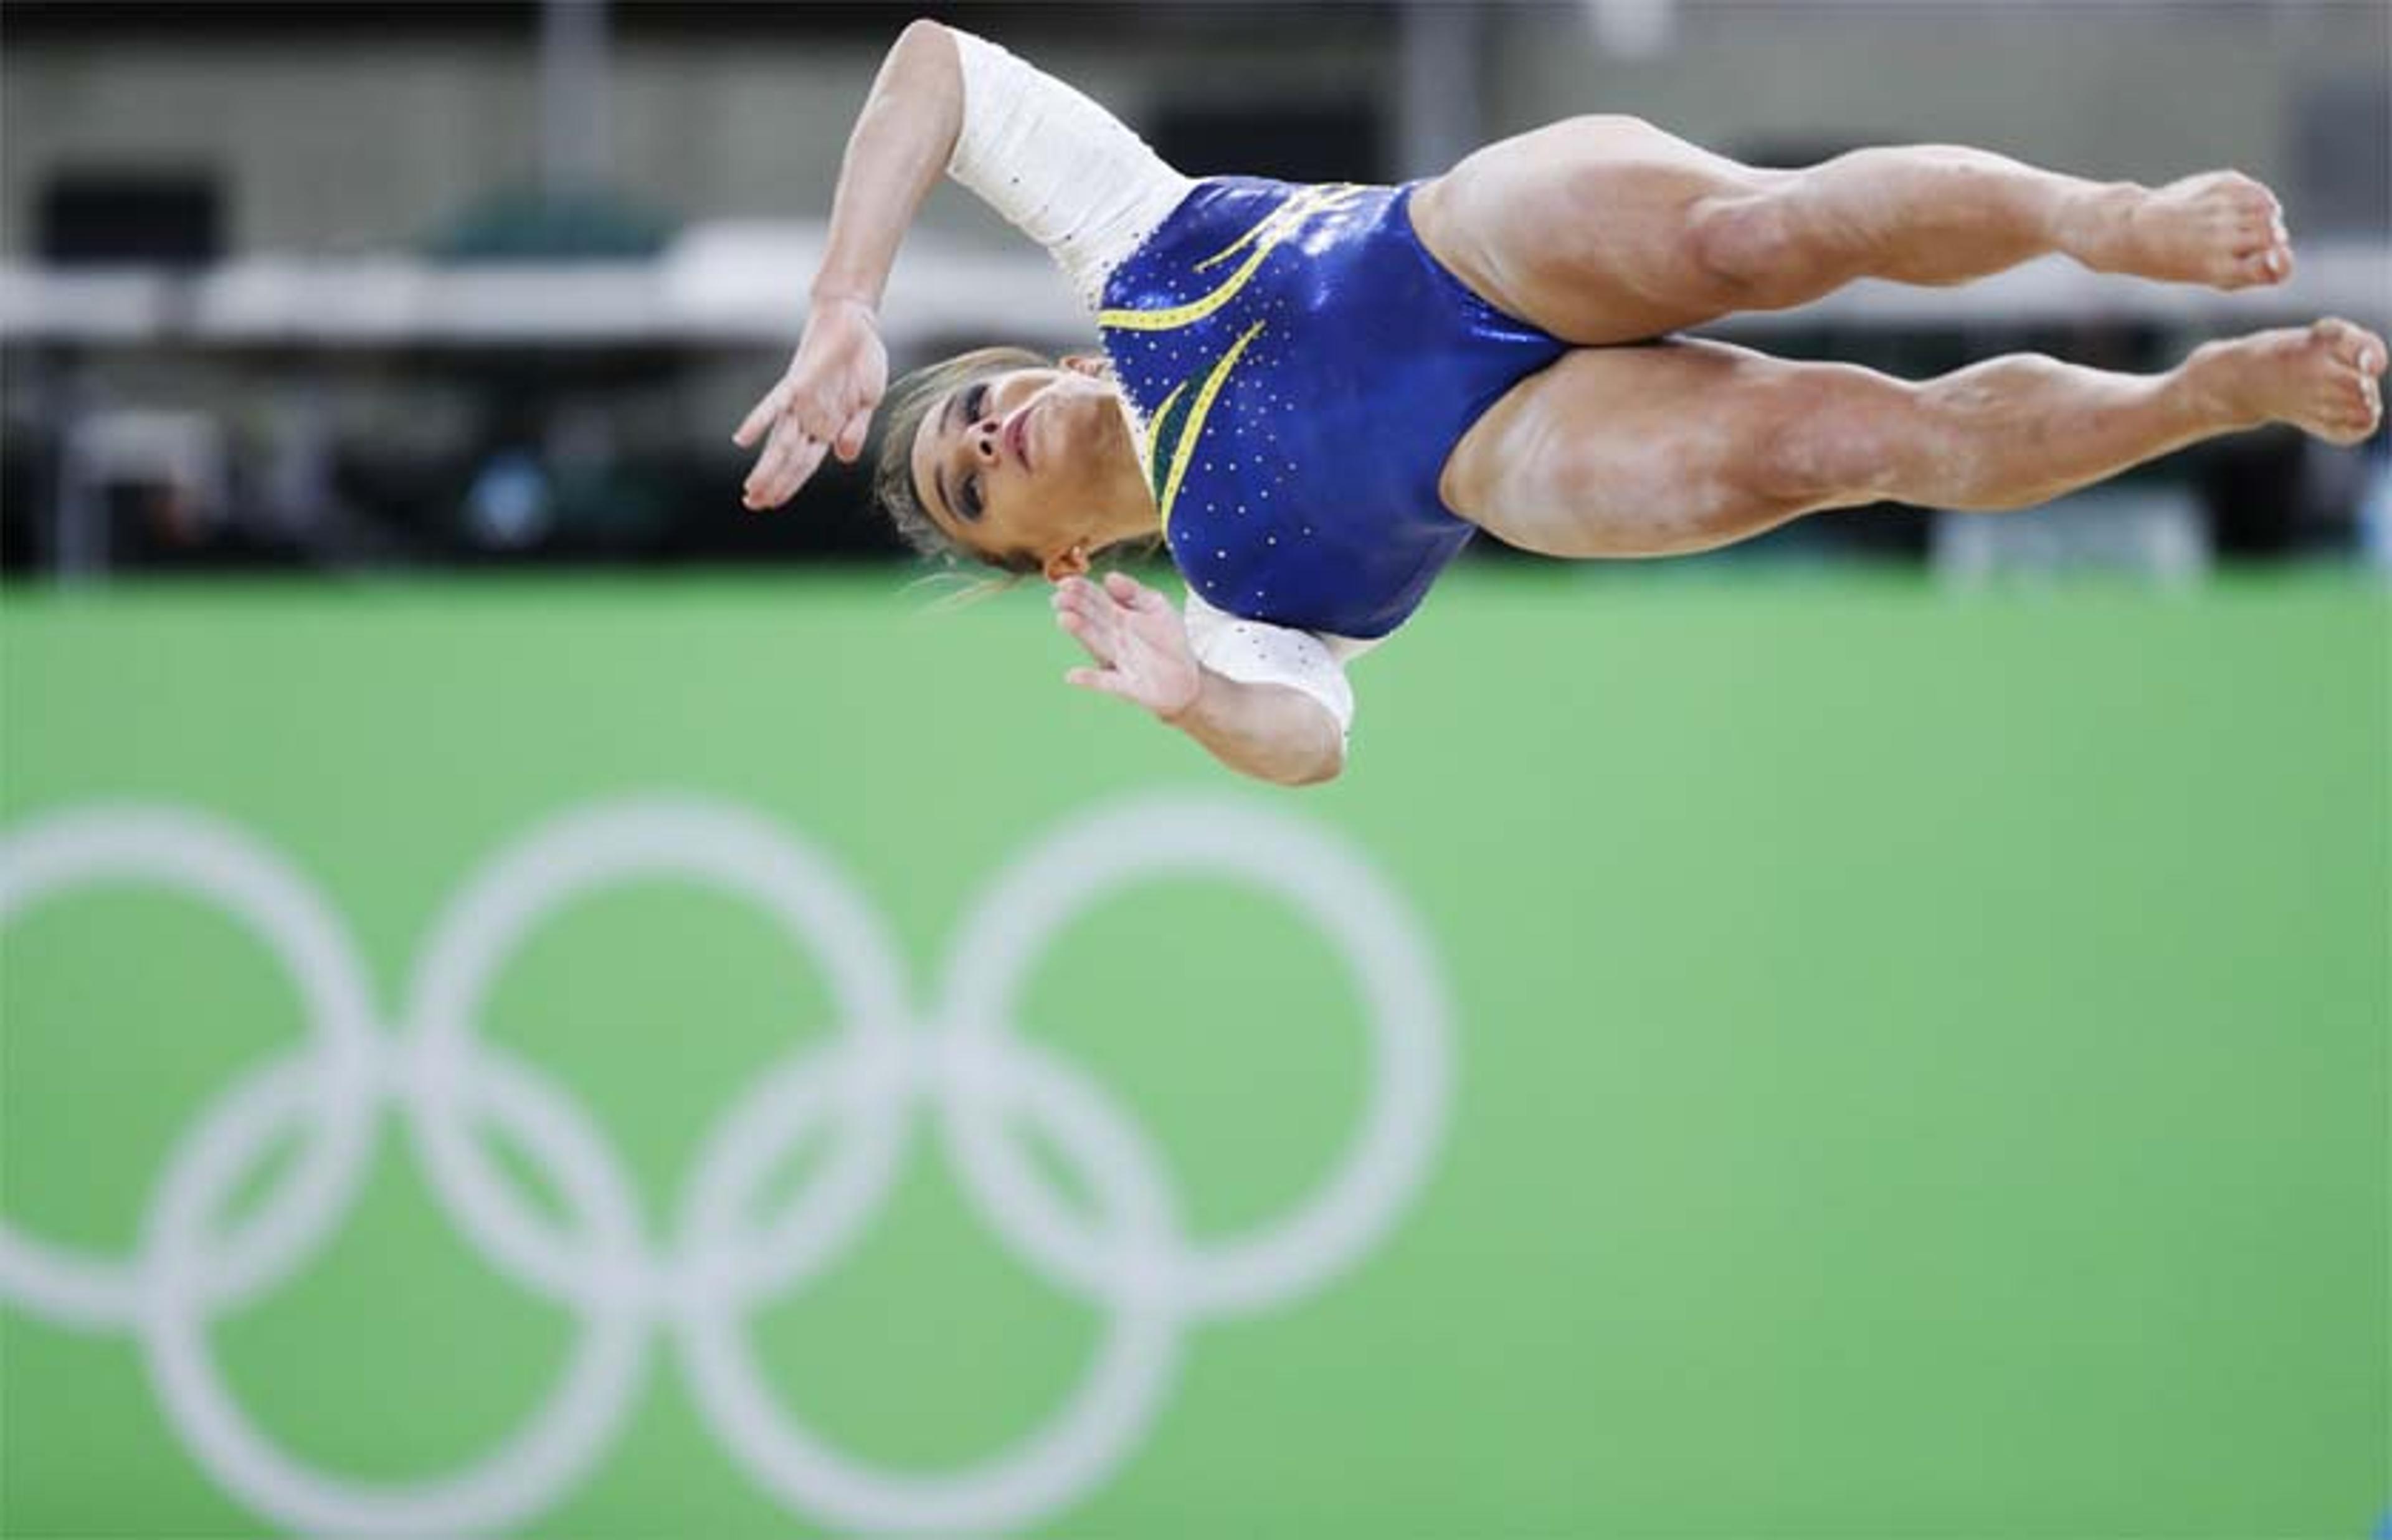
1326	764
1273	733
925	50
1318	775
1310	763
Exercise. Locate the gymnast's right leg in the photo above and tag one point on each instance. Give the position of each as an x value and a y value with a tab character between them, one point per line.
1681	447
1606	230
1942	215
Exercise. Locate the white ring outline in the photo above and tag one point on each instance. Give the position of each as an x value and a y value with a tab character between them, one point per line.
589	850
1015	924
523	1476
195	854
1135	1359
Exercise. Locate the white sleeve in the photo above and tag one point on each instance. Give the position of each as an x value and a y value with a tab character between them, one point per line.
1059	167
1253	652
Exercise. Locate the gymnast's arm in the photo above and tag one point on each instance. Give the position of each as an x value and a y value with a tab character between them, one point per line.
1265	701
1270	732
895	153
899	144
1057	166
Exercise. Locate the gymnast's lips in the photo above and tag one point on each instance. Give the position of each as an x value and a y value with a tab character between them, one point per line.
1016	434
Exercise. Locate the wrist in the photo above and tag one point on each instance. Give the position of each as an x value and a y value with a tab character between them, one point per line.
825	300
1185	716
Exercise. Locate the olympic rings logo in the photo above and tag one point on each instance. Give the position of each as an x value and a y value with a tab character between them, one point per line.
964	1064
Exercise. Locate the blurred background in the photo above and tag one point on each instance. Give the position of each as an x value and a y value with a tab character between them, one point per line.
355	286
1894	1019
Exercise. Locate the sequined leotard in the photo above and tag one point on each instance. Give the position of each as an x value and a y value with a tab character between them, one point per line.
1304	366
1299	365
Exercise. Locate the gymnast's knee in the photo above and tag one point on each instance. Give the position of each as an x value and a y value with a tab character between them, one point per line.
1750	244
1735	238
1624	125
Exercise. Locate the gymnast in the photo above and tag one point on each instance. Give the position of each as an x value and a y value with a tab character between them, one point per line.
1317	394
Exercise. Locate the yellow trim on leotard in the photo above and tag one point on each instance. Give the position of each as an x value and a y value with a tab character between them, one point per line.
1190	314
1298	207
1268	233
1186	450
1154	433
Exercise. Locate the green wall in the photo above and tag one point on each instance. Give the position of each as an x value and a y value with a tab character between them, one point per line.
1844	1061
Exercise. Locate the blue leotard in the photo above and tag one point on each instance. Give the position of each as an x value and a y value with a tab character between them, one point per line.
1304	366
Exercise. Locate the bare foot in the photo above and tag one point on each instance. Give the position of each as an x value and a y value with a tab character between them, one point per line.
2323	379
2220	227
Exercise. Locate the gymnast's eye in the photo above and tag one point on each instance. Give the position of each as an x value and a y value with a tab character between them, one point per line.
967	502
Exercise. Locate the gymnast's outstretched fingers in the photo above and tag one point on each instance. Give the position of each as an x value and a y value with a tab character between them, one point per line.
1132	594
1136	635
1081	610
790	456
823	401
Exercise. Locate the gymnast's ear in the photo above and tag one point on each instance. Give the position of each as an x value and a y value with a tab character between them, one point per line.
1071	561
1094	365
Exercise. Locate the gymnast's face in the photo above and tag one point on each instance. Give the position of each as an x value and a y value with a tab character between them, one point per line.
1034	464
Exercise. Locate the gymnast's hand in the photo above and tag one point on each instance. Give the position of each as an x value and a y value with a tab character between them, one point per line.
1137	637
824	402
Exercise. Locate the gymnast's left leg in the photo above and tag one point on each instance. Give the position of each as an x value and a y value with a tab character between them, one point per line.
1681	447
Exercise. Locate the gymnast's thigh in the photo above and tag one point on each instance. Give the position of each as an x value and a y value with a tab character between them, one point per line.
1585	228
1653	450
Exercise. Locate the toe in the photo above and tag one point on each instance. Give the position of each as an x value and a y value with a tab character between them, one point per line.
2360	406
2250	190
2242	193
2257	227
2345	339
2268	266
